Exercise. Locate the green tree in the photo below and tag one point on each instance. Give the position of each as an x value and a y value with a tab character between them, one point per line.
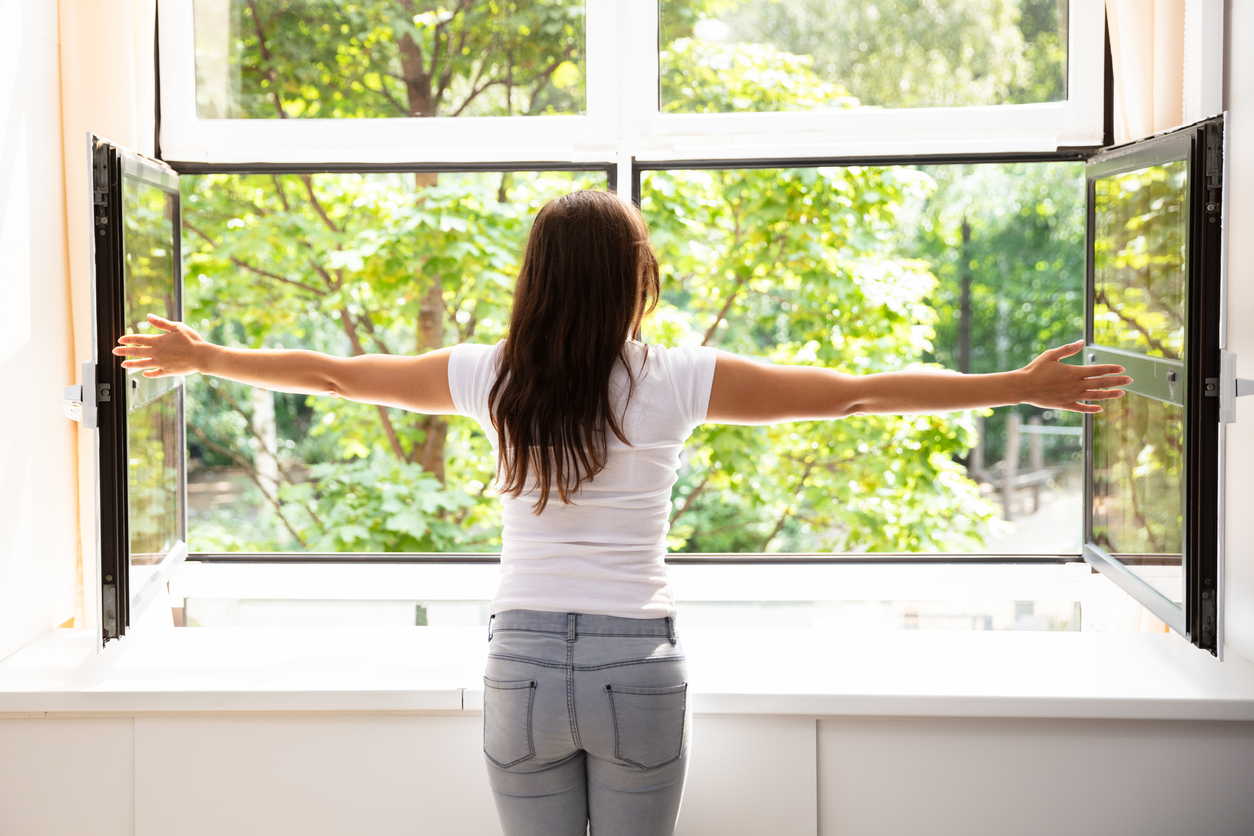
351	264
801	265
390	58
1011	237
909	53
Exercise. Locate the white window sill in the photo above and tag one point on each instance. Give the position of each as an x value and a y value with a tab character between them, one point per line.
778	671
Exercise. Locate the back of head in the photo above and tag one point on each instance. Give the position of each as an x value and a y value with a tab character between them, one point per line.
588	277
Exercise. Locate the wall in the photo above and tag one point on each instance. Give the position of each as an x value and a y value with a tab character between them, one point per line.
783	776
38	477
1239	535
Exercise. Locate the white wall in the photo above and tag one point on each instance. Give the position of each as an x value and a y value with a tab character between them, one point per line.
1239	537
749	776
38	476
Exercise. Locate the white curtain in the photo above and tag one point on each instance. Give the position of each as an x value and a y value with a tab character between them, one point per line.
107	87
1147	51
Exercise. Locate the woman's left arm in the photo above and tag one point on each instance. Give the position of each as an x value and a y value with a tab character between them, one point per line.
417	383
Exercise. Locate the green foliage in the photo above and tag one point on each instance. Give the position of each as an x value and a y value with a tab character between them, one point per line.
381	505
791	265
1023	255
1139	260
909	53
390	58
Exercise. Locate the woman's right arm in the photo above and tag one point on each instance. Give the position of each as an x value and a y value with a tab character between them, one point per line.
748	392
418	383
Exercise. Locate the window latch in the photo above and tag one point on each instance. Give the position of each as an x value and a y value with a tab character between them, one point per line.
1228	387
79	402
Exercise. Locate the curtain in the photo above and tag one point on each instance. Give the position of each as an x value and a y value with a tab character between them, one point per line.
107	87
1147	52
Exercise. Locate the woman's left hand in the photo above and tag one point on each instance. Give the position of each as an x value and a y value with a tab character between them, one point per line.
180	350
1052	384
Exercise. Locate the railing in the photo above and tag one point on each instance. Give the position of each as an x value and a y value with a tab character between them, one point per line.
1006	473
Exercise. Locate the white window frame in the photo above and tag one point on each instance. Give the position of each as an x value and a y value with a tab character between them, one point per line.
622	120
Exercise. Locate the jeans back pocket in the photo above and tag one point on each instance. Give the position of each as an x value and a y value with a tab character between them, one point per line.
648	723
507	711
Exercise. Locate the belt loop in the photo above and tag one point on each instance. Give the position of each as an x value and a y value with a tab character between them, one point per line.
670	629
492	616
570	626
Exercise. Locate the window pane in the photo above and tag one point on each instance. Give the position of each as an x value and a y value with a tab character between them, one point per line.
778	55
1140	255
148	215
154	448
347	263
329	59
865	270
1138	478
153	465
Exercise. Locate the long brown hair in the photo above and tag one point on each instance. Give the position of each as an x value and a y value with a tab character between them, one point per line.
588	277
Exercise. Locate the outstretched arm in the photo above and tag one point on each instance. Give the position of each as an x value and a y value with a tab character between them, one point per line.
416	383
747	392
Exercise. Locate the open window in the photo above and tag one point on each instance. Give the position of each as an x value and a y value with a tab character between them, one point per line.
1154	276
140	461
338	195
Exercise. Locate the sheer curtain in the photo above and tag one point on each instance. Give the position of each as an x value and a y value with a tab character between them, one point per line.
107	87
1147	51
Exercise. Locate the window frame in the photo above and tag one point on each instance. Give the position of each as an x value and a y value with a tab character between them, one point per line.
624	133
1200	617
623	120
118	603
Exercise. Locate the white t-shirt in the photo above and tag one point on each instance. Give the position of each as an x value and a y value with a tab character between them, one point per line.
605	553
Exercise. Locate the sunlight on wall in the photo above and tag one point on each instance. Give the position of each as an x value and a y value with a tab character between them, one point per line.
16	278
38	504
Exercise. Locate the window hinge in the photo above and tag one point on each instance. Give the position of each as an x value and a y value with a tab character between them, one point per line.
1228	387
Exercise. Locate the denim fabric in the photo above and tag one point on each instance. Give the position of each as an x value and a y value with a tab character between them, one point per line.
585	719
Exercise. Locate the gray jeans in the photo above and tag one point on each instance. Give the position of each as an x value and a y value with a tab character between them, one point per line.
585	719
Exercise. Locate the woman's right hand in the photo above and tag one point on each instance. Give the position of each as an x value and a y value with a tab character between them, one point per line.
179	350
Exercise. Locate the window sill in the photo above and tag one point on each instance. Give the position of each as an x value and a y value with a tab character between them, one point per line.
783	672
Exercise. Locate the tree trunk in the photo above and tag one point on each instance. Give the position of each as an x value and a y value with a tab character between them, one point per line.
417	80
265	428
964	320
431	337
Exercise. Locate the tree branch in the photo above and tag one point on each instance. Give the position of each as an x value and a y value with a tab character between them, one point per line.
250	472
692	495
282	192
350	329
317	205
779	524
265	56
250	268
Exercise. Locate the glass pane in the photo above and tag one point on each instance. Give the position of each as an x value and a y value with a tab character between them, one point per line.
155	459
148	245
155	455
1138	477
1140	254
861	269
329	59
778	55
347	263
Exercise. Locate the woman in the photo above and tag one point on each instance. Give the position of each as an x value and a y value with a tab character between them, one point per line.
586	716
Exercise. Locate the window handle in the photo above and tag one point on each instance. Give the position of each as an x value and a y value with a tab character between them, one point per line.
79	402
1229	386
